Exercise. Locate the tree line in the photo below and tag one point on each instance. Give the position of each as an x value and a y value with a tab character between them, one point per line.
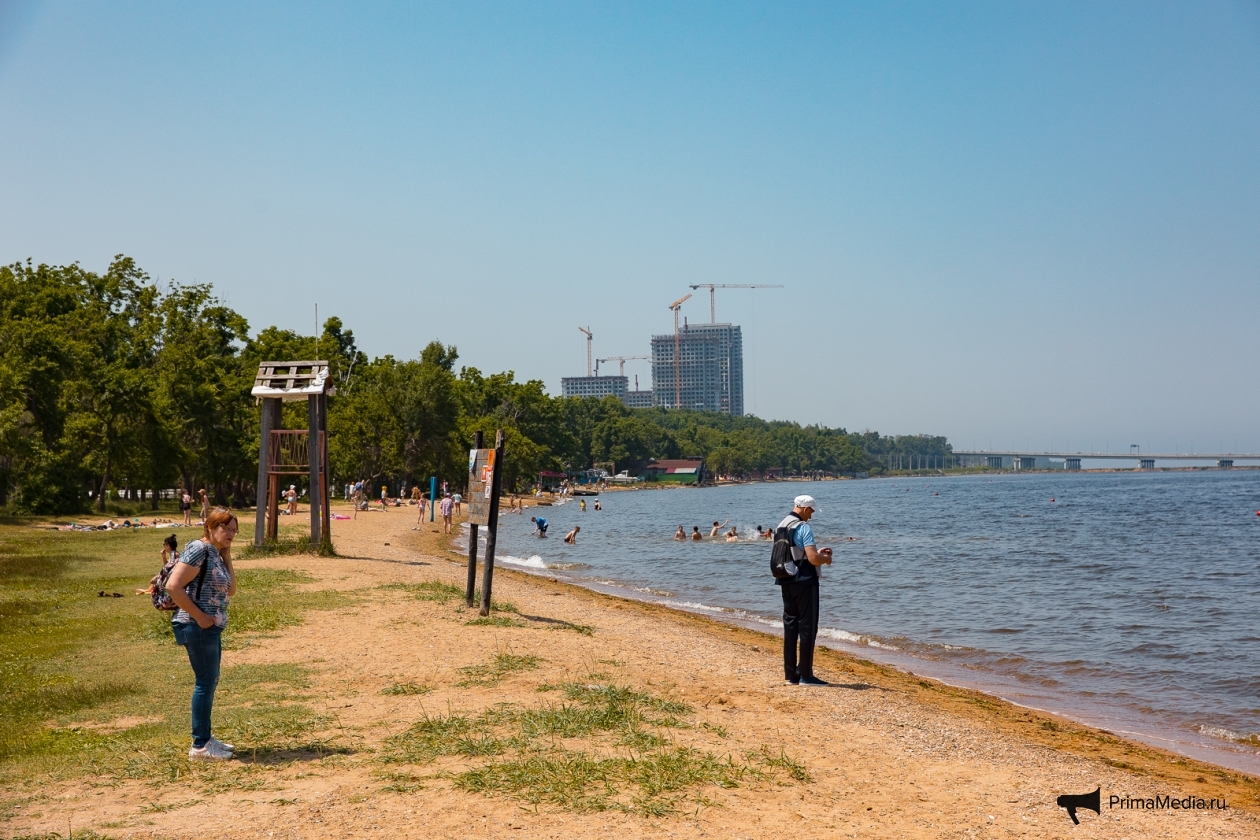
109	383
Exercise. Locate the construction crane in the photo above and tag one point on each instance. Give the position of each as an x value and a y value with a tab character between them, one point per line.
676	305
622	359
712	296
587	330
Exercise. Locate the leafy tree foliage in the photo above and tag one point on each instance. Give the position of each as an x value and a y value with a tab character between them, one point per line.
108	382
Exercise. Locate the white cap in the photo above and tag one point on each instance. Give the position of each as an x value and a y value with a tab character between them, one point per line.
805	502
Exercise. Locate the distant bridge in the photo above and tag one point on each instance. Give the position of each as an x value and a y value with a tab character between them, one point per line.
1072	460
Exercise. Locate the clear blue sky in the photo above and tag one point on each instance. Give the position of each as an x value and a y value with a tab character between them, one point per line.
1013	224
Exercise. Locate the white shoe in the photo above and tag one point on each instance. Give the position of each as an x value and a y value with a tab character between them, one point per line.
222	745
210	752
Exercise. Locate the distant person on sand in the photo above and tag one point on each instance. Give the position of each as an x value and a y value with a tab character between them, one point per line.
356	497
680	534
205	504
423	504
571	537
717	527
446	508
458	500
540	525
185	505
695	533
292	497
800	594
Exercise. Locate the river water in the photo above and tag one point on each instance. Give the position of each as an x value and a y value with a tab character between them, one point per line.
1129	601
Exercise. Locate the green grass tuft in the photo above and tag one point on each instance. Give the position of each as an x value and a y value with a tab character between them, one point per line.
407	689
493	672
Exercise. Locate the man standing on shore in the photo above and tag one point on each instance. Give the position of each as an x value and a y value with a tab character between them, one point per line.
800	595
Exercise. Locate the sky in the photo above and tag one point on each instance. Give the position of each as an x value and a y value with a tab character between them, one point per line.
1015	224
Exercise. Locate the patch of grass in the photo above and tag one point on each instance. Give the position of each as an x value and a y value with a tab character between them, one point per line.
717	730
286	546
429	590
652	783
493	672
70	661
782	761
584	629
407	689
163	807
526	756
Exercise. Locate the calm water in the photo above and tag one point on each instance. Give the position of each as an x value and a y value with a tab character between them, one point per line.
1131	601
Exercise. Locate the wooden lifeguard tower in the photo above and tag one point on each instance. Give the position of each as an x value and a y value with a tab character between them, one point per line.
284	451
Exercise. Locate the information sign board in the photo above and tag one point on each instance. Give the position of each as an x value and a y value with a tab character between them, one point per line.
480	483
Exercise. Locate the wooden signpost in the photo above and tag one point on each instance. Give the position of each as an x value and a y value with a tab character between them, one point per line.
485	479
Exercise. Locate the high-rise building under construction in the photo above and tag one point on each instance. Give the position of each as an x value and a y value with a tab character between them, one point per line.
711	369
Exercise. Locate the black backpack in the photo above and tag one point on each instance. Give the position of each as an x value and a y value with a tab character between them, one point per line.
782	564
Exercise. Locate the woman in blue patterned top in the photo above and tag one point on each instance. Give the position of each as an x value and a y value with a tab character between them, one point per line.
201	584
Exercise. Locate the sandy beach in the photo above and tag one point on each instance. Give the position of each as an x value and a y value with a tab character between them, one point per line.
880	753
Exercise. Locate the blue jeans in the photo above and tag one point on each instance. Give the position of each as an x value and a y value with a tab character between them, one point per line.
205	650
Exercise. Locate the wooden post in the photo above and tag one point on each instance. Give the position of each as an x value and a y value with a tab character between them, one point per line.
492	527
312	456
326	507
264	454
273	481
478	439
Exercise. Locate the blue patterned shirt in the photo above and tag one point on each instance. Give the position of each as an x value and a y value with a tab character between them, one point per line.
214	588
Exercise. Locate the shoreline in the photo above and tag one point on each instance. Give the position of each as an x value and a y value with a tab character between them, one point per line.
1153	730
881	753
950	675
1068	736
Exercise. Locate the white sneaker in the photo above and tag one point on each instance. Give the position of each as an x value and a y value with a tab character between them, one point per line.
222	745
210	752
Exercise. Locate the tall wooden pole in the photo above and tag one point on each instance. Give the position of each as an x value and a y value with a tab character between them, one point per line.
264	455
492	525
325	507
312	456
478	439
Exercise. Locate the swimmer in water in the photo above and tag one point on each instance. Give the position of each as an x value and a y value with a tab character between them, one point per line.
597	507
584	506
571	537
717	527
695	533
680	534
732	535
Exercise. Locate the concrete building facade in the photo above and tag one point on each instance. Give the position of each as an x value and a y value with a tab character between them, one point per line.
595	386
711	368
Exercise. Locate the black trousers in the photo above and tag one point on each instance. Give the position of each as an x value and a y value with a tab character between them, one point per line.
800	624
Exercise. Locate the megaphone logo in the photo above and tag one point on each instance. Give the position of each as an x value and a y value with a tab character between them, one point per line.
1072	801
